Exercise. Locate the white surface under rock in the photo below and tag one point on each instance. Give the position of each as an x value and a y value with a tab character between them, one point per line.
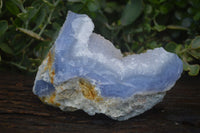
85	71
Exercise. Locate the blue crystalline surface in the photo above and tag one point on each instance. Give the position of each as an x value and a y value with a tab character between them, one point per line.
43	88
110	82
142	83
64	43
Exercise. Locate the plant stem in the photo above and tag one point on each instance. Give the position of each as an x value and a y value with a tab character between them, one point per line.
49	18
48	21
1	5
43	28
183	51
20	66
176	27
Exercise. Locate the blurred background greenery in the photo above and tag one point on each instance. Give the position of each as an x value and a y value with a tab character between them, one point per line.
28	28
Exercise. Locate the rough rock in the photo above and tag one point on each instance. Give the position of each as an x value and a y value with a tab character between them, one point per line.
85	71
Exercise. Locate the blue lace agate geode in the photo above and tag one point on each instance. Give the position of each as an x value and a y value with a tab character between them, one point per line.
85	71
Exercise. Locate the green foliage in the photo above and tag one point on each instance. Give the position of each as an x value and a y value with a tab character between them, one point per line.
131	12
28	28
3	26
195	44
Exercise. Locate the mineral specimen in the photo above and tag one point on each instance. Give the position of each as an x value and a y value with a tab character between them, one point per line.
85	71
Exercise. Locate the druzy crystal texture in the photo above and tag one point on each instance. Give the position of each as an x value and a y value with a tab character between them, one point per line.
85	71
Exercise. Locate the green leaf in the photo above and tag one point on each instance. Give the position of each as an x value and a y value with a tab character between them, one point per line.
19	4
16	23
171	47
152	45
147	27
4	47
197	16
93	6
193	69
156	1
40	17
195	54
159	28
42	49
131	12
140	50
31	33
48	3
185	66
37	4
36	61
26	16
23	16
74	0
163	9
31	12
195	44
179	47
12	8
3	26
110	7
148	8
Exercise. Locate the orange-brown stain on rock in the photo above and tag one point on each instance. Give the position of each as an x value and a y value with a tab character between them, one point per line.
50	61
50	100
61	88
52	74
88	90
